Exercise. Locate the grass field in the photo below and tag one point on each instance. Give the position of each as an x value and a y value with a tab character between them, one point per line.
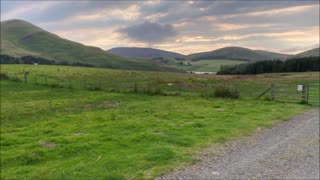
67	133
209	65
250	86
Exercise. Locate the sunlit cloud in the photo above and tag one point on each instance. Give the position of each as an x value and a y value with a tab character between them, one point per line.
154	17
282	11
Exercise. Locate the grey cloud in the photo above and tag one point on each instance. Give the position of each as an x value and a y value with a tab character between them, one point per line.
298	19
149	32
64	9
176	12
184	10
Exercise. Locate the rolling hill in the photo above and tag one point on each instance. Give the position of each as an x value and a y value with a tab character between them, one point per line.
309	53
20	38
145	53
237	53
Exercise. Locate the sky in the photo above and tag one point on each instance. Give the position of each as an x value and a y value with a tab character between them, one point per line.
181	26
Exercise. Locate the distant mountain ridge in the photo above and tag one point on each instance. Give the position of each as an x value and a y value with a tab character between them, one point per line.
309	53
237	53
20	38
144	53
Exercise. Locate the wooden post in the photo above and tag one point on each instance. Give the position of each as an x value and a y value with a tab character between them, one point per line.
307	92
304	94
272	91
179	89
25	76
135	87
46	80
100	85
84	84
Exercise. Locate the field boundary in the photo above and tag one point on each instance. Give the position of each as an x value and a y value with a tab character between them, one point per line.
305	93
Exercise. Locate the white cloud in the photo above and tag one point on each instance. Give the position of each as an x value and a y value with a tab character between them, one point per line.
28	8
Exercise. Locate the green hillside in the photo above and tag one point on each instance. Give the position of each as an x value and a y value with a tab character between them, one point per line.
236	53
273	55
20	38
144	53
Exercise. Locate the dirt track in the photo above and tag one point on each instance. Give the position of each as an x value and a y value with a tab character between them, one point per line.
290	150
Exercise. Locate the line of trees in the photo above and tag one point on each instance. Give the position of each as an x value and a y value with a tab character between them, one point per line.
273	66
5	59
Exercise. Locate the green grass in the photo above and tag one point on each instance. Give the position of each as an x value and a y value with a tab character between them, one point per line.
59	133
250	86
209	65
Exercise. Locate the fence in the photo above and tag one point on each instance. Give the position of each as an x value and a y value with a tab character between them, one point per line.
284	92
111	85
303	93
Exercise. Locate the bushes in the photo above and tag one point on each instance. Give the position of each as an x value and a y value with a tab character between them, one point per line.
221	91
226	92
3	76
5	59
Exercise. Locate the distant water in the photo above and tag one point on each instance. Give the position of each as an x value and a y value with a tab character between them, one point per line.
201	72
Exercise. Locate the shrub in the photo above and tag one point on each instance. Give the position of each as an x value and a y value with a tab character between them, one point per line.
207	93
15	79
226	92
153	91
94	88
4	76
55	85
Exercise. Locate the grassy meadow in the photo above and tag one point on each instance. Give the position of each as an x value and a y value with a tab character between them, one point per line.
209	65
250	86
52	127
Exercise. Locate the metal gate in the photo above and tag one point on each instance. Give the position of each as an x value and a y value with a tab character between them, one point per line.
307	93
314	94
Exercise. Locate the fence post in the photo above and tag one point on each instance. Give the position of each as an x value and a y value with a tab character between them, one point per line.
272	91
25	76
84	84
46	80
135	87
307	91
304	94
100	85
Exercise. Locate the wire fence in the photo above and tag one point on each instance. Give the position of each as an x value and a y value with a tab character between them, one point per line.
284	92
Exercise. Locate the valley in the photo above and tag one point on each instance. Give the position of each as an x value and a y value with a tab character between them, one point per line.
134	90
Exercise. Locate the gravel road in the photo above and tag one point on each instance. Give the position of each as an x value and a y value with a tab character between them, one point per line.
290	150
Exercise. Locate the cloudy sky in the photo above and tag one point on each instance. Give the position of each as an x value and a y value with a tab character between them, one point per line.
181	26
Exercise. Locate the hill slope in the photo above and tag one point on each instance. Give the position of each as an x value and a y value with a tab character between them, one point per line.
145	53
273	55
309	53
20	38
237	53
